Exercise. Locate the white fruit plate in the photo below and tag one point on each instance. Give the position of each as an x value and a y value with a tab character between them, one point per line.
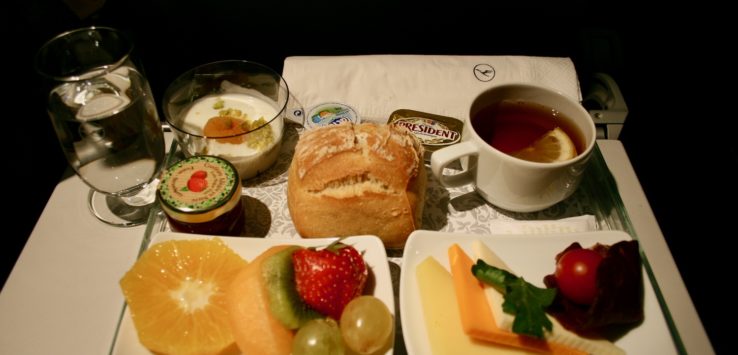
529	256
126	342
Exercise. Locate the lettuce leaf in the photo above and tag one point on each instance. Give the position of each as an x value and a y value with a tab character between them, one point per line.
525	301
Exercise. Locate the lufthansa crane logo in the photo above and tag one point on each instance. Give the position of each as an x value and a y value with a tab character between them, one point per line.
484	72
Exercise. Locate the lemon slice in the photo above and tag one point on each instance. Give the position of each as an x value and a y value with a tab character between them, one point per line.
554	146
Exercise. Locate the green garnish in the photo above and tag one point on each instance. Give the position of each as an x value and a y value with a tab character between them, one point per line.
261	137
218	104
232	112
523	300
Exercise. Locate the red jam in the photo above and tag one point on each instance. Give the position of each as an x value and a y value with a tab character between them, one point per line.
202	194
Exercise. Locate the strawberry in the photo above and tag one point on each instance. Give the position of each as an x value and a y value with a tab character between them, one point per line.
200	174
196	184
328	279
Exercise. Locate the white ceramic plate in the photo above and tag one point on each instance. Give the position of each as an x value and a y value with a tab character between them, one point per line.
372	248
530	256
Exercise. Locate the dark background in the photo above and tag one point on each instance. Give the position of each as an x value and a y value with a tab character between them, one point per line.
671	63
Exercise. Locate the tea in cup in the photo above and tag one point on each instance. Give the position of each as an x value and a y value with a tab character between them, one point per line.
524	147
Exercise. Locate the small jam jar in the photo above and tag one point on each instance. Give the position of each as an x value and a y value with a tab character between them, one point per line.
202	194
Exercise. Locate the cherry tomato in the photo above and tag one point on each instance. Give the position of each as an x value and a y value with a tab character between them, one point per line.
576	275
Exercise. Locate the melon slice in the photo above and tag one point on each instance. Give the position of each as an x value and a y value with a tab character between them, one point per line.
256	330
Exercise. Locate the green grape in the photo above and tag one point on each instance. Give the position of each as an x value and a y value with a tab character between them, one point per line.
318	336
366	324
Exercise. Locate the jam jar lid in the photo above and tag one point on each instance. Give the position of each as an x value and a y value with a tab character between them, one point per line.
199	189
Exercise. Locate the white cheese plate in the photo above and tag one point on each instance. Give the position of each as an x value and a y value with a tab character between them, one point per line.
529	256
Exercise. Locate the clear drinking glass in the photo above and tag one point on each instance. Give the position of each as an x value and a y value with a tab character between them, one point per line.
105	117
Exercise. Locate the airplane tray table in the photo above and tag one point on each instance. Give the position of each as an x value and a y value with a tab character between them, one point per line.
455	210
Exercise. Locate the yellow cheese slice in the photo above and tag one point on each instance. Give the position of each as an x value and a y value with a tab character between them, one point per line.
477	317
442	319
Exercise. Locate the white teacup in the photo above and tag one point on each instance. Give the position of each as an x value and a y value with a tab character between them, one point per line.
508	182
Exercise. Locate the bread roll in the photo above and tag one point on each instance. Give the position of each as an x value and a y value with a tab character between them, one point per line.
354	179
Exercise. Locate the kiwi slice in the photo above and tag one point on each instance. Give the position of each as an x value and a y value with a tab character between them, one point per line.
285	303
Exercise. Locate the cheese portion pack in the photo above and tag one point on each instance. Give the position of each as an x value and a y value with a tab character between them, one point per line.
433	131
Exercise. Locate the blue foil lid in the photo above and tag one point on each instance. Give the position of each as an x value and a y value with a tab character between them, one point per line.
330	113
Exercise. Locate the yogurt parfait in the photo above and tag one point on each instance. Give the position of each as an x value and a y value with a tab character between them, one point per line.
233	110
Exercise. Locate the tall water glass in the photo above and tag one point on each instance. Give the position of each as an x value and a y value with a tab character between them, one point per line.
105	117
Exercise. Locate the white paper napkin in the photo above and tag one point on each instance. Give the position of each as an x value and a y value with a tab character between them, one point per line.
582	223
377	85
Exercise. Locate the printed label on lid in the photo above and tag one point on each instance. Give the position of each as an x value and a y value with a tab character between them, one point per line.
430	132
330	114
198	184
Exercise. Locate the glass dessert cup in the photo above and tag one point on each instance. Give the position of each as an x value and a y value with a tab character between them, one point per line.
230	109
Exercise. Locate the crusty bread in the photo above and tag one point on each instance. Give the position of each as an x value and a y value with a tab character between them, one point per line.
355	179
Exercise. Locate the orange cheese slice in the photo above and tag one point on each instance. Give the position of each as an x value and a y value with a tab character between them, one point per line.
477	318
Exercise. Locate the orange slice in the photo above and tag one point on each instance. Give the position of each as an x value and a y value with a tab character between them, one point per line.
176	295
554	146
